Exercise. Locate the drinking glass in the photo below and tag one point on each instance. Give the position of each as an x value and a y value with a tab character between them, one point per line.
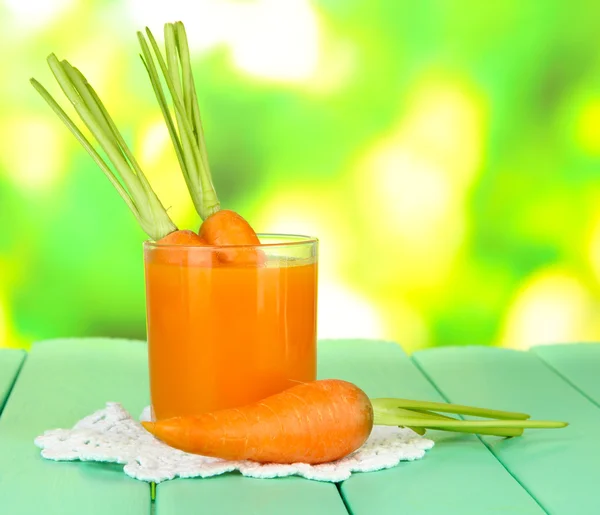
226	329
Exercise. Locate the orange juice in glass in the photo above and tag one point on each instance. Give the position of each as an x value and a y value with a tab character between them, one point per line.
223	335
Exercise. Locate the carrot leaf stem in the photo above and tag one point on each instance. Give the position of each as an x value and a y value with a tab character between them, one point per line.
425	415
188	136
134	188
185	136
190	88
457	409
85	144
392	415
442	424
172	59
186	73
452	426
416	416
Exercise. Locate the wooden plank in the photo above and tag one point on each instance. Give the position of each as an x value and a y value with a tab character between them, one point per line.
459	475
233	493
10	363
61	382
578	363
558	467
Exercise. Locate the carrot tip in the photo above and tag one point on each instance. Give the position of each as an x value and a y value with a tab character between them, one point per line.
149	426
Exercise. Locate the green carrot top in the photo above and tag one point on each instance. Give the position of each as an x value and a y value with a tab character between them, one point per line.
125	175
188	135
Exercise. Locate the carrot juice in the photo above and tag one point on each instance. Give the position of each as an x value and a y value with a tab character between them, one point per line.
222	335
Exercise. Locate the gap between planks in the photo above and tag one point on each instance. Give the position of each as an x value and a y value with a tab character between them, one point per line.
568	381
13	383
443	395
338	486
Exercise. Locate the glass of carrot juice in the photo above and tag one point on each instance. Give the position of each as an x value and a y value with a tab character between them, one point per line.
226	332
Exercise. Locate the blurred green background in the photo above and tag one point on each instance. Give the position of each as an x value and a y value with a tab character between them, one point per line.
447	155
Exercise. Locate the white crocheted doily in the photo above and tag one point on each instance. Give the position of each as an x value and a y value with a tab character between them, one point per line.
112	435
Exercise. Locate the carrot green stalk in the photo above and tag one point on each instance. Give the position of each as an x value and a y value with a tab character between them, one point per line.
402	417
449	408
134	188
316	422
489	424
507	428
189	89
187	135
219	227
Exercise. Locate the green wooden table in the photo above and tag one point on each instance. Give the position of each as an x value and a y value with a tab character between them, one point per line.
556	472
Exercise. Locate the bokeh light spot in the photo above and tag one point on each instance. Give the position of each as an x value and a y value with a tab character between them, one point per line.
3	331
553	306
206	21
314	213
103	72
415	192
37	12
413	184
343	313
594	249
160	165
588	127
276	40
32	152
6	336
405	322
342	310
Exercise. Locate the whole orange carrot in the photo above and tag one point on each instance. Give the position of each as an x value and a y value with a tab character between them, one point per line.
319	422
311	423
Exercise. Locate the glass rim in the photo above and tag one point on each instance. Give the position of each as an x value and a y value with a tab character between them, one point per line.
296	240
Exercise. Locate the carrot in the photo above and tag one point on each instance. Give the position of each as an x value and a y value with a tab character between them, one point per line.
319	422
225	228
220	227
179	248
120	166
182	237
187	134
311	423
